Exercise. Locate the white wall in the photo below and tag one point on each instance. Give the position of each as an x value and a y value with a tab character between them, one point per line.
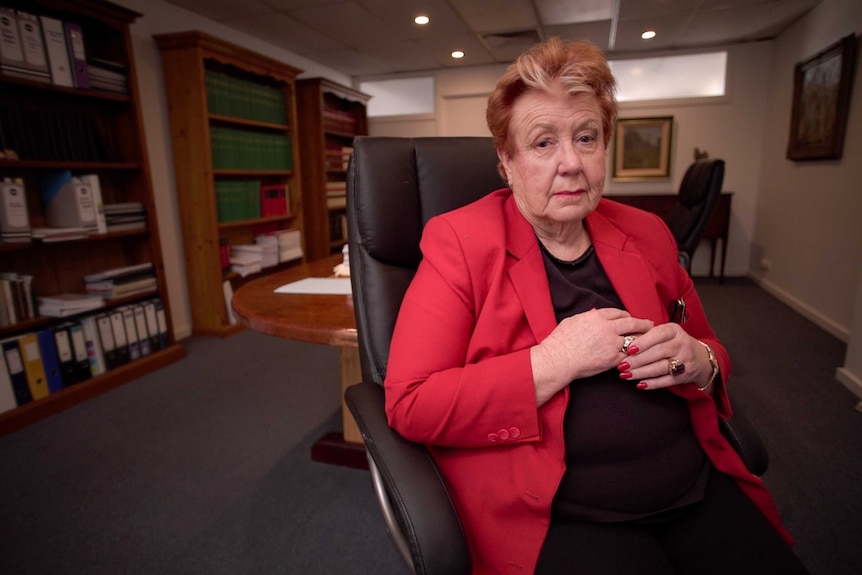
851	374
730	128
808	214
160	18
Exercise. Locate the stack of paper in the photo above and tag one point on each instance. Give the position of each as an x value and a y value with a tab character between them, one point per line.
64	304
125	216
288	243
60	234
107	75
246	259
121	282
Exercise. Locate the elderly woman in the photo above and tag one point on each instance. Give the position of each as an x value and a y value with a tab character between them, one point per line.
574	422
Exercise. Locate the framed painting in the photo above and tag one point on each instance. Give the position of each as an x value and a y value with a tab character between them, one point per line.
642	148
821	98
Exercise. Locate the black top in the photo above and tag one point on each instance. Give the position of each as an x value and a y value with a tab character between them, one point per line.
630	453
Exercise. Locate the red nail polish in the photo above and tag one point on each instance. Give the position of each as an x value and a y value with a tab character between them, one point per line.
626	375
633	349
642	385
624	366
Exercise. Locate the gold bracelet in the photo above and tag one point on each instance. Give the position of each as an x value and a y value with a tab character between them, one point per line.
714	363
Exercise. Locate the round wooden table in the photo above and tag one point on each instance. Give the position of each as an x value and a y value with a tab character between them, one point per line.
313	318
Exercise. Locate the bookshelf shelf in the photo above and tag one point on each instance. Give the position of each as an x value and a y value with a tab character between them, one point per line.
231	120
253	173
92	94
12	165
210	147
331	116
79	393
106	237
256	221
42	321
109	125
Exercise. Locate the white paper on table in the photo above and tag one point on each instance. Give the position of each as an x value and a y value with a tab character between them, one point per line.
326	286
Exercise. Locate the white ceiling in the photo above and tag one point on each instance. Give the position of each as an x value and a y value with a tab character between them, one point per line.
371	37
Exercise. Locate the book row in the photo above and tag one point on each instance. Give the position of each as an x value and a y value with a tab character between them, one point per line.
338	157
45	49
37	364
231	96
249	199
234	149
16	298
340	121
51	135
72	205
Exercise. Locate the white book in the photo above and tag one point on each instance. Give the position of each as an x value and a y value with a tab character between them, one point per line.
152	325
106	333
58	54
94	345
14	218
92	180
131	333
162	321
119	331
11	52
227	288
141	329
34	46
7	396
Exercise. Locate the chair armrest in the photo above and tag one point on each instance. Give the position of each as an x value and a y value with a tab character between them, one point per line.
746	441
412	487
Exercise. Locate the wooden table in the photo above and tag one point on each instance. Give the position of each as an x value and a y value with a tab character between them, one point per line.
313	318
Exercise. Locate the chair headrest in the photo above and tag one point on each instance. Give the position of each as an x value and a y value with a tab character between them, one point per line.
398	184
699	180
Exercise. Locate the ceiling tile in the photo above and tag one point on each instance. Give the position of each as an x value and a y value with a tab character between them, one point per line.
224	10
498	16
554	12
349	22
288	34
595	32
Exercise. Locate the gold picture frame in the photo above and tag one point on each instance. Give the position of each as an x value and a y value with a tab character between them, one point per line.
642	148
821	99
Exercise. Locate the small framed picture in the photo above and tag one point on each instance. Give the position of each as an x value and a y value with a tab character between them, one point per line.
821	98
642	148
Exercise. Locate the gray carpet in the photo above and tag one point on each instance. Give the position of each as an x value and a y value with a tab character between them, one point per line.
204	468
200	468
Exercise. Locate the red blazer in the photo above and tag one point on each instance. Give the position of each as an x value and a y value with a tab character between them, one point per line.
459	377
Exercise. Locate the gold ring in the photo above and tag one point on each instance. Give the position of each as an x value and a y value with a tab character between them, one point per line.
627	341
675	367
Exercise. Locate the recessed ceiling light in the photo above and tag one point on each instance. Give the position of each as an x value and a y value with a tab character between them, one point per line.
648	35
421	20
457	54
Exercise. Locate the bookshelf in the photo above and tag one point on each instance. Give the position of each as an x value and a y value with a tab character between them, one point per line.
52	125
233	131
332	115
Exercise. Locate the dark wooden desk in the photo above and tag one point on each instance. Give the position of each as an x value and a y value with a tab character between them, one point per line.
325	319
717	229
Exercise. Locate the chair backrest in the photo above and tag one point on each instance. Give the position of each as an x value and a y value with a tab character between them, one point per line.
698	197
394	186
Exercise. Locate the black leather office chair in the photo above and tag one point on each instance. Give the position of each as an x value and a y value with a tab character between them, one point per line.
394	186
698	197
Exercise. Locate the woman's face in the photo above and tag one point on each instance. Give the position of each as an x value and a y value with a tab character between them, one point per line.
557	164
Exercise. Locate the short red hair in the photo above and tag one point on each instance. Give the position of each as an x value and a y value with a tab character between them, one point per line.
578	66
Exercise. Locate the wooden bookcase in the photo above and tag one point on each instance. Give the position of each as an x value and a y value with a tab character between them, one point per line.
332	115
114	119
189	59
